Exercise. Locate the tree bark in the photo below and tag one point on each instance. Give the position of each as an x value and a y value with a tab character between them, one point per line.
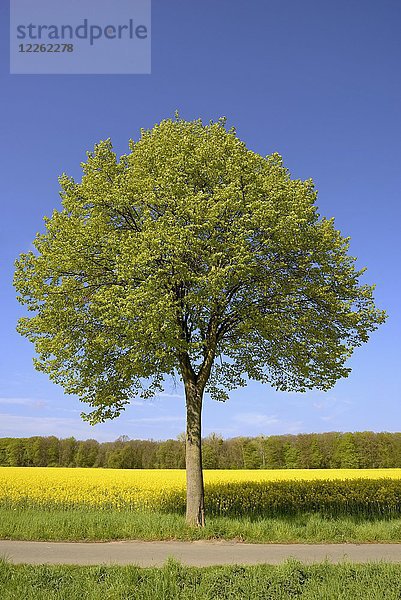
195	515
194	384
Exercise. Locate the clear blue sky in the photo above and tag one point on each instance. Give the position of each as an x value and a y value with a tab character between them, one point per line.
317	81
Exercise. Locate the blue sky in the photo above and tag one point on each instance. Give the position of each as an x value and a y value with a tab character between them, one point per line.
318	82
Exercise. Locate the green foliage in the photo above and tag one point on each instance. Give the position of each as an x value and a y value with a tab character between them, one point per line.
365	449
171	455
347	456
188	248
250	455
291	457
87	453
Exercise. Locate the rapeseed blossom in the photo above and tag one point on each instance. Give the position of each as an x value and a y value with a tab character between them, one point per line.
152	489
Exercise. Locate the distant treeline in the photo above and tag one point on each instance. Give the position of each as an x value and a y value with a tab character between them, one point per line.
303	451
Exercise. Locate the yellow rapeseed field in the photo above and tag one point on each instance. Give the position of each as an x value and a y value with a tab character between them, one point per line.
123	488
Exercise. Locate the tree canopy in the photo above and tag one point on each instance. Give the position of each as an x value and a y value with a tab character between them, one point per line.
188	248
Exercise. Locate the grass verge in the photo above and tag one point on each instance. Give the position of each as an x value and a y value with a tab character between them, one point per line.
92	525
289	580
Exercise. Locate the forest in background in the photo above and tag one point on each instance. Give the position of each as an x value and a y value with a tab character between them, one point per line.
332	450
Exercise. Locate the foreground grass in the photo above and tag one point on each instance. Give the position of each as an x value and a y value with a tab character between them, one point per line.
289	580
92	525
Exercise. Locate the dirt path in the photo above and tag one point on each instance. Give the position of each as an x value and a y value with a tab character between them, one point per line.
201	553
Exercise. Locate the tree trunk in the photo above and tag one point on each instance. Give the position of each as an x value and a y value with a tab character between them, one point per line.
195	493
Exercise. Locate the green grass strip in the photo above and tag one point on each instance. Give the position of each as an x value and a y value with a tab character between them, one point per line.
93	525
290	580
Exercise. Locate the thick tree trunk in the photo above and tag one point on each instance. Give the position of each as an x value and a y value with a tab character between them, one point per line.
195	493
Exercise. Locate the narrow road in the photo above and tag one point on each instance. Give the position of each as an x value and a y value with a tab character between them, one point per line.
200	553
